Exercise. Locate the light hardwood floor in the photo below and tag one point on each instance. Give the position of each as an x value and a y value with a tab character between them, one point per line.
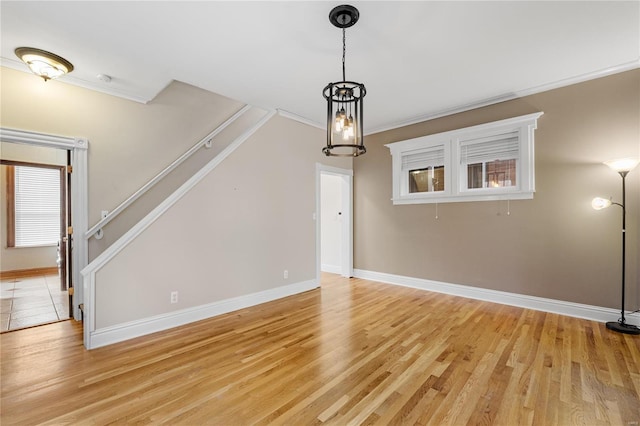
354	352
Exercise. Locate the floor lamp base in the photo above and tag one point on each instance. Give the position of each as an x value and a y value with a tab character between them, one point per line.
623	328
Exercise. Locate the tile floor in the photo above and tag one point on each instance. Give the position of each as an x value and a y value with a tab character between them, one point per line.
26	302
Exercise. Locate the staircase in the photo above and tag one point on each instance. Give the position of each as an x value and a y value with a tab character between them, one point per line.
127	221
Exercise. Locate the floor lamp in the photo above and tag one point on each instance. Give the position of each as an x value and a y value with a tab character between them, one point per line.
623	167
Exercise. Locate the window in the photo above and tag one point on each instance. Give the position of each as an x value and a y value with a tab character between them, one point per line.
34	200
424	169
429	179
491	174
493	161
490	162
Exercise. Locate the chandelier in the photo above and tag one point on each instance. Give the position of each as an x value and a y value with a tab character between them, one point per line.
344	99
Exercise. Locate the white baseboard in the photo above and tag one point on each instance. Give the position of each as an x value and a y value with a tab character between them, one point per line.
129	330
590	312
332	269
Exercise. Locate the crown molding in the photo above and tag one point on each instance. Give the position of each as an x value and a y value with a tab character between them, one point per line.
19	66
508	96
300	119
628	66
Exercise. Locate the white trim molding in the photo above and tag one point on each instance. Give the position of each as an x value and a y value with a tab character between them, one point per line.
347	218
301	119
132	329
42	139
332	269
578	310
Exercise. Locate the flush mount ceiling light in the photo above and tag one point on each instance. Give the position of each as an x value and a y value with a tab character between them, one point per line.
344	99
44	64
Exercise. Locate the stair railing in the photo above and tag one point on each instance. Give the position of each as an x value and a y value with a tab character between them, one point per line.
206	142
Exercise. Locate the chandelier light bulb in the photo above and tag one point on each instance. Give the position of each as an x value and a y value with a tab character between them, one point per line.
350	128
347	131
340	119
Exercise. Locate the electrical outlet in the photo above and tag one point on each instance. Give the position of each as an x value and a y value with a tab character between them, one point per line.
174	297
286	274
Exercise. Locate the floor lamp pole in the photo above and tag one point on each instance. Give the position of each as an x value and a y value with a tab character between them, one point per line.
621	325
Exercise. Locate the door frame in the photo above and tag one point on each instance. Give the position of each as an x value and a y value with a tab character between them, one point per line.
79	197
346	261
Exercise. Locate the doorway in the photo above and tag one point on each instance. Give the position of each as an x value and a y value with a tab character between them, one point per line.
35	220
76	150
334	221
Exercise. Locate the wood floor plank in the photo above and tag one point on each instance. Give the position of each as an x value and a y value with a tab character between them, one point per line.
352	352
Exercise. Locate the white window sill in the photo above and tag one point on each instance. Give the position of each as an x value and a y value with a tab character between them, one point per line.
462	198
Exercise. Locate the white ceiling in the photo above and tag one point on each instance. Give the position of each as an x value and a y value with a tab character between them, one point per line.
417	59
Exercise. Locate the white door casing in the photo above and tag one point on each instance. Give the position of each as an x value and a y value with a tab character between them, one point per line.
346	261
79	197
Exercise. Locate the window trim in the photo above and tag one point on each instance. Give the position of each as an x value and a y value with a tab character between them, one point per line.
455	185
10	192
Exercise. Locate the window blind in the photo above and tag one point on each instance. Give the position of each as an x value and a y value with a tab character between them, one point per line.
37	206
504	146
424	158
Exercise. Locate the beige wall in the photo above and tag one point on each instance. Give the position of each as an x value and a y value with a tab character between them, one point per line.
554	246
129	142
251	218
232	235
12	259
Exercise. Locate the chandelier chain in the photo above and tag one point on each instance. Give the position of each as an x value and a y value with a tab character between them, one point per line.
344	53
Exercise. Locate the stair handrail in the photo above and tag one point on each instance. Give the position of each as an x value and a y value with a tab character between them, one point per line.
126	203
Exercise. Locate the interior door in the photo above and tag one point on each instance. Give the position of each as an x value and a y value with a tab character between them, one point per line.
344	216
